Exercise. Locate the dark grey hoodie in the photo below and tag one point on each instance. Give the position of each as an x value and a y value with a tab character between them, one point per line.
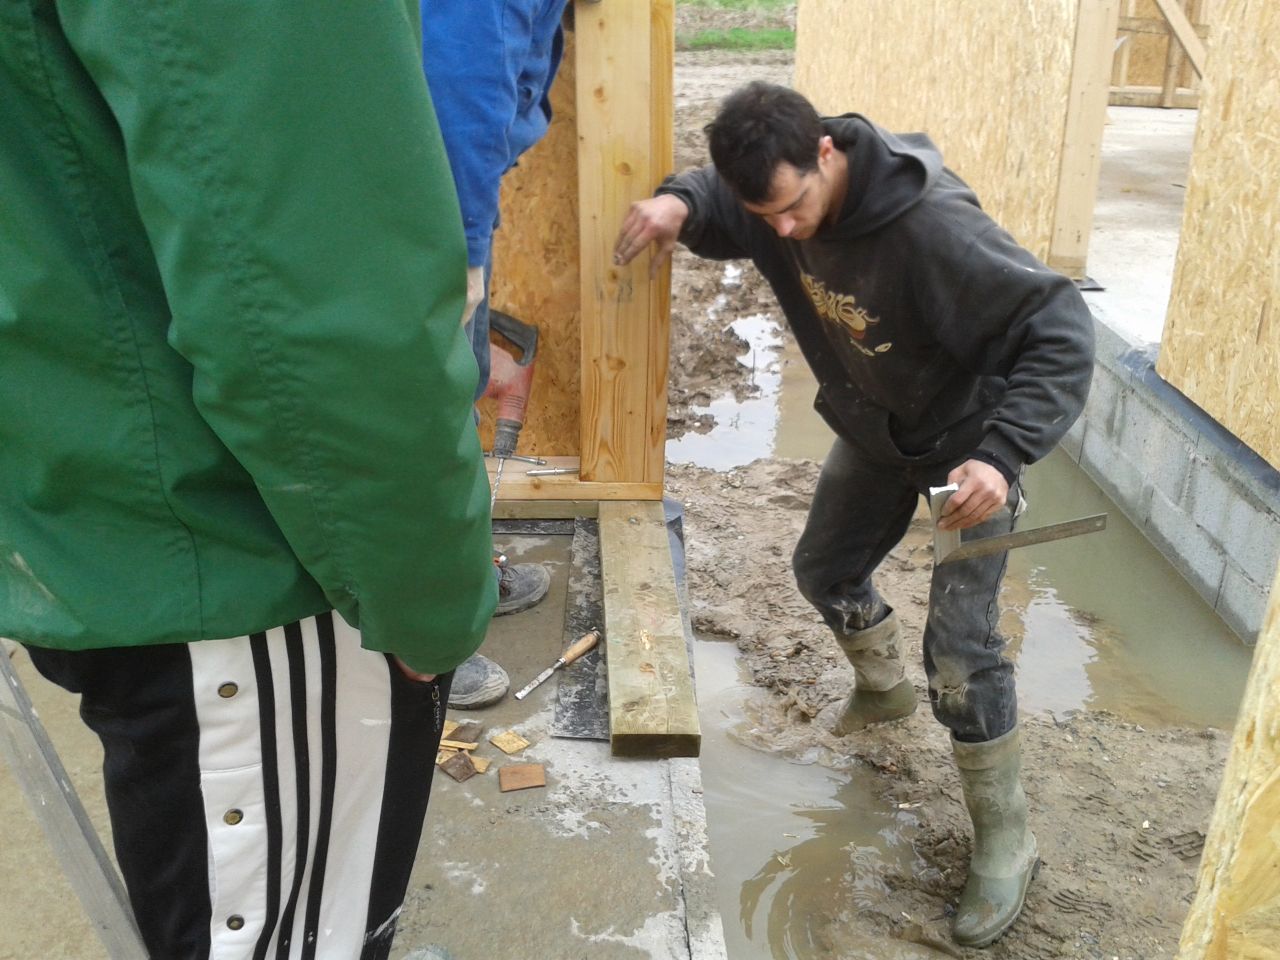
933	335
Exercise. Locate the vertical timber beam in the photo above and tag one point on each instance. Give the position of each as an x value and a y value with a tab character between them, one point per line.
1236	913
624	94
1096	26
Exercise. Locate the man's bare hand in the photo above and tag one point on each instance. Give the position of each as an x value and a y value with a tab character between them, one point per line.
983	491
658	221
412	674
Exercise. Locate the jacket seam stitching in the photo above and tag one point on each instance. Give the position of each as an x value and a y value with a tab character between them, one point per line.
104	269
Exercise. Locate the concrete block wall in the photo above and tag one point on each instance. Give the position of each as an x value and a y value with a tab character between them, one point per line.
1207	502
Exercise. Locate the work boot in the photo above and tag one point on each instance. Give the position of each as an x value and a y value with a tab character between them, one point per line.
520	585
881	690
478	683
1004	851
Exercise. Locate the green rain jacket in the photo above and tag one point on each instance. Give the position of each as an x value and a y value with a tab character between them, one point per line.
233	386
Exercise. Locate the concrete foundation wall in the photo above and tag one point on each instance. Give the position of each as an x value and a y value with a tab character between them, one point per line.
1208	503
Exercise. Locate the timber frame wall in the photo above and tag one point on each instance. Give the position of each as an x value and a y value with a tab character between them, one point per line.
599	400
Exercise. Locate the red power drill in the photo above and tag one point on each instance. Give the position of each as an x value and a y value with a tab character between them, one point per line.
510	381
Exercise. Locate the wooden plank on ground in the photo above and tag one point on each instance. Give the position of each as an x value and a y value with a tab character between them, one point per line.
1236	913
1082	136
652	708
624	116
1186	34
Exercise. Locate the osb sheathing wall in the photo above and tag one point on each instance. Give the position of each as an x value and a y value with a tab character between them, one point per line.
989	82
535	274
1221	342
1148	52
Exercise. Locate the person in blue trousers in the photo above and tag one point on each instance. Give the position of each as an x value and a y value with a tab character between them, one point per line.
490	65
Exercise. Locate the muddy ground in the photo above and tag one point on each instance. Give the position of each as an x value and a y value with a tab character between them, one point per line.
1119	810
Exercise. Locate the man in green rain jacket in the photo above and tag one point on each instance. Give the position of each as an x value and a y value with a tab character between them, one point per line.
243	509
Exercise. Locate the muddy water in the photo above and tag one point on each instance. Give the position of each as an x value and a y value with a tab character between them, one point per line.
1100	622
788	856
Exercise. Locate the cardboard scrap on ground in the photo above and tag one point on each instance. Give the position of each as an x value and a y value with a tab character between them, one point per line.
509	742
466	731
459	766
521	776
455	755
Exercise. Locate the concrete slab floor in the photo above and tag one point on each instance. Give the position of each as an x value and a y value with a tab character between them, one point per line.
1138	217
608	861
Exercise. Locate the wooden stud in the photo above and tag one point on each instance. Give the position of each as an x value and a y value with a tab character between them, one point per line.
1185	33
1082	136
1120	67
624	116
1236	913
652	708
518	485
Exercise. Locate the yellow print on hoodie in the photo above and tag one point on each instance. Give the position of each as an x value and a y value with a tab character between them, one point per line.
841	309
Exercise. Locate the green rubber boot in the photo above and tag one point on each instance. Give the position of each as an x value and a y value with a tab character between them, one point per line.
881	690
1004	858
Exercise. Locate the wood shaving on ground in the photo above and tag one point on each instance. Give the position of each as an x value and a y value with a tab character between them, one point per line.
470	730
509	742
459	766
521	776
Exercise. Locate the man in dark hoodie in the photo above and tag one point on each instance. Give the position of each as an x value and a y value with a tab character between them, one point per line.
944	353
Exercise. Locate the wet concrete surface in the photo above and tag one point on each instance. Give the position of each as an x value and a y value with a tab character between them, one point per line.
607	861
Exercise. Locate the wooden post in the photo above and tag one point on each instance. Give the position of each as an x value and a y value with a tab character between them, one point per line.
1174	59
1120	67
624	63
1236	913
1086	117
1184	32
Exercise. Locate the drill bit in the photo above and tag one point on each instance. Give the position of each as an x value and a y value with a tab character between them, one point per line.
497	481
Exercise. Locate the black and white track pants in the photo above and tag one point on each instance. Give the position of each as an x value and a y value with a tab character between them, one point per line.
266	793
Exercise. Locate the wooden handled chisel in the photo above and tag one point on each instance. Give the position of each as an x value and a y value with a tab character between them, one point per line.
587	641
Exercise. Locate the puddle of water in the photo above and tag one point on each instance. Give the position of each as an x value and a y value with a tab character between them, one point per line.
778	421
1107	624
1100	622
792	845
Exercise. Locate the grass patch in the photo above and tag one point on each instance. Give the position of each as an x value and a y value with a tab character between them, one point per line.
739	38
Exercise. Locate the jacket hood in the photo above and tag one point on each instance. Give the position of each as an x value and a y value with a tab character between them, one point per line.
888	173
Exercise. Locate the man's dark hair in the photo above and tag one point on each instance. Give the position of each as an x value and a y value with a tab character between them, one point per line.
758	127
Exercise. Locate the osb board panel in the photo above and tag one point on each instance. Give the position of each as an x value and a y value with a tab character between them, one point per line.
988	82
535	274
1148	51
1236	912
1221	343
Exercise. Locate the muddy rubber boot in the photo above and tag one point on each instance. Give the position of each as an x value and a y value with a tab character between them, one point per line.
477	683
1004	851
881	690
520	586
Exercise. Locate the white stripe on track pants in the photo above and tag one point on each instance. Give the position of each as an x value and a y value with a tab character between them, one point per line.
266	793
